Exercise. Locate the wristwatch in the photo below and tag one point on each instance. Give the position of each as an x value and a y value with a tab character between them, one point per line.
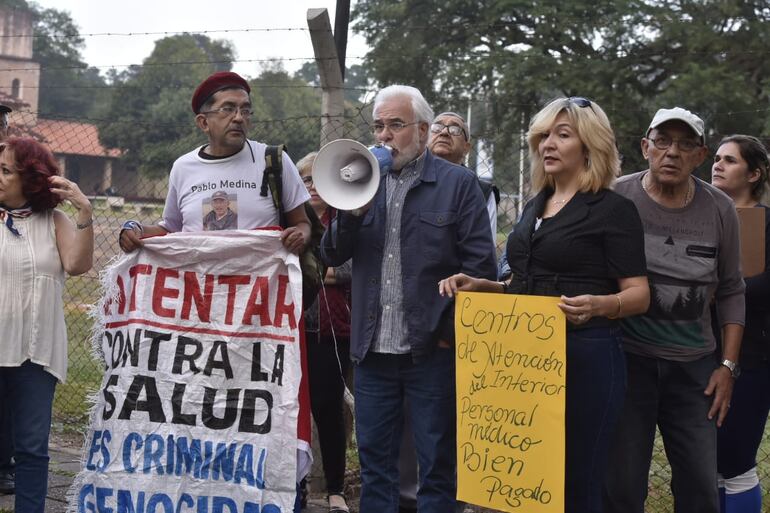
735	369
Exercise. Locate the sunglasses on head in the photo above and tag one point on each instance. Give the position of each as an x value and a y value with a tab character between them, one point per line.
579	101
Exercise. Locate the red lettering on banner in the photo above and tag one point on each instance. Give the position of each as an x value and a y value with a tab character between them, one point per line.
160	291
192	292
260	289
232	283
121	299
281	308
133	272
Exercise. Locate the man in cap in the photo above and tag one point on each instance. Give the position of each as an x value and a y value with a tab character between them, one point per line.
220	217
7	481
426	222
674	381
229	165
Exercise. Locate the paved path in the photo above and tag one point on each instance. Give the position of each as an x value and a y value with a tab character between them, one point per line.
65	464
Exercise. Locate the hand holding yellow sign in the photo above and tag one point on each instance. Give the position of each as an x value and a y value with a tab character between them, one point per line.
511	372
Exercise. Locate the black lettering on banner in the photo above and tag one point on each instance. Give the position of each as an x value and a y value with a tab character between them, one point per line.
181	356
231	408
219	346
248	412
278	365
177	397
109	397
151	404
157	338
257	374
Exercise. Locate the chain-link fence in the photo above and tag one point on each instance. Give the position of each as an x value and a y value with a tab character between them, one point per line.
119	193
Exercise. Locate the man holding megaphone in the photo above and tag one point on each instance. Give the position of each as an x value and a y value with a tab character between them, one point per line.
427	219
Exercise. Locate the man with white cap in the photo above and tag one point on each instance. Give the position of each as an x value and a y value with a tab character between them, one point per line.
674	380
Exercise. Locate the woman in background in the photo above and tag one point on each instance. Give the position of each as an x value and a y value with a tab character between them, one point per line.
740	169
38	244
327	328
580	241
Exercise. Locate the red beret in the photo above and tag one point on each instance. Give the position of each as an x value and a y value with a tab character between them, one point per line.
216	82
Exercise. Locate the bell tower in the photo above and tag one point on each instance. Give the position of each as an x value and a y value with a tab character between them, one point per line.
19	74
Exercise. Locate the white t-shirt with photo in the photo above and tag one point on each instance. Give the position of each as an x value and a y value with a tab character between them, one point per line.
195	180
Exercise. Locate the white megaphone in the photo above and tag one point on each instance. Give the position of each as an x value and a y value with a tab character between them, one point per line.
346	174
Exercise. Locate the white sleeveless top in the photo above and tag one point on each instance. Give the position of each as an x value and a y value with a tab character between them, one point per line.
31	306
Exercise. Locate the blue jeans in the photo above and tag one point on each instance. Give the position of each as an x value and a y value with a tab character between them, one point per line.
382	382
29	391
596	379
670	395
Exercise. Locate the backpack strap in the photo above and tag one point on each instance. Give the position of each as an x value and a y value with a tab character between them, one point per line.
272	178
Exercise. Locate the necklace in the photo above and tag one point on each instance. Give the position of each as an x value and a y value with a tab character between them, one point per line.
559	202
687	197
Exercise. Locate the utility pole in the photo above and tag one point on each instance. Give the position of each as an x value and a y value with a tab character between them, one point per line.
330	72
341	22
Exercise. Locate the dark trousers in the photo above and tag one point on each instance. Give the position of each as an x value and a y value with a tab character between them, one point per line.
29	390
6	436
741	433
382	382
327	367
596	377
670	395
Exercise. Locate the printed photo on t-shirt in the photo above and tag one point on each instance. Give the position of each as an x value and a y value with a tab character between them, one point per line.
220	212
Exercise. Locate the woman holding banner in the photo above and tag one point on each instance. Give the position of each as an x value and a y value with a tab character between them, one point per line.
581	242
327	328
38	244
740	169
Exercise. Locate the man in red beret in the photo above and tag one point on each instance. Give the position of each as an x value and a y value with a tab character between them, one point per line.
229	165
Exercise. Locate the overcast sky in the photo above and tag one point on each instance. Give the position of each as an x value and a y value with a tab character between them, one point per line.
100	16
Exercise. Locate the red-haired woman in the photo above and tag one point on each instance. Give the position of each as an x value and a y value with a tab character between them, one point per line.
38	244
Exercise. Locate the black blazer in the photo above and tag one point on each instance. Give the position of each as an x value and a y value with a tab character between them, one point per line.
592	241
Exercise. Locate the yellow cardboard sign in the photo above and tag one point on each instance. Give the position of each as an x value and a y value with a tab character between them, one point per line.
511	389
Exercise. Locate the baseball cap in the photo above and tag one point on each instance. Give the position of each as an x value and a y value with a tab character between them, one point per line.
219	194
214	83
678	114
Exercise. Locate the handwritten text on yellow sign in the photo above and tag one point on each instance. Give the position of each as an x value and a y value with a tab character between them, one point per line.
511	370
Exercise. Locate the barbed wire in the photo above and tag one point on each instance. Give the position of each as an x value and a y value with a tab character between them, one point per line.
184	87
72	35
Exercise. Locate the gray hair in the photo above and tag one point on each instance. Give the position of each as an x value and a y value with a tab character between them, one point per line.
422	110
463	123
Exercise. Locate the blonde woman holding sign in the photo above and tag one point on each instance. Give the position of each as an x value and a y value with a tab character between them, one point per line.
580	241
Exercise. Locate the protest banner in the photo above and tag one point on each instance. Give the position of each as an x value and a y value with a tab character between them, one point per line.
511	389
197	411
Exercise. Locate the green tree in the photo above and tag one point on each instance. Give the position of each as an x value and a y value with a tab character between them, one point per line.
149	116
68	87
631	56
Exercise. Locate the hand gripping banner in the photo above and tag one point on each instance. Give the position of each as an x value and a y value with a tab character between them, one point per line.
198	408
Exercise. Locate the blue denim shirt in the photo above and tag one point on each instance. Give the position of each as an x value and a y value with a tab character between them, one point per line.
444	230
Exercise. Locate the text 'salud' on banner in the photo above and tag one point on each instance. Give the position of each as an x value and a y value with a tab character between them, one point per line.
198	409
511	389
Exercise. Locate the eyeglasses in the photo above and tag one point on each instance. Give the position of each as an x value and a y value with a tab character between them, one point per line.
454	130
307	180
664	142
229	110
395	127
579	101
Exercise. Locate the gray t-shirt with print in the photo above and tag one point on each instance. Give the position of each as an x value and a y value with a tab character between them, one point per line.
693	257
